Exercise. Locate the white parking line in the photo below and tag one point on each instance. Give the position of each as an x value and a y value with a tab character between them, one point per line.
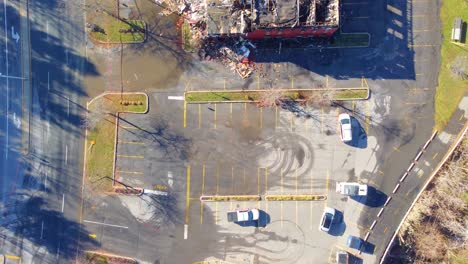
42	229
66	154
63	202
104	224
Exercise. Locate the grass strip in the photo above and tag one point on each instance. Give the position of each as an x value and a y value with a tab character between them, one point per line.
450	89
112	28
101	137
303	197
351	40
255	96
186	37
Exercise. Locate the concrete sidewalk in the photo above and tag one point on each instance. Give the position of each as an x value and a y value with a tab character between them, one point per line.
413	180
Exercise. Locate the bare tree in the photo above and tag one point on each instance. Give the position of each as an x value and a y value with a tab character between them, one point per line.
270	98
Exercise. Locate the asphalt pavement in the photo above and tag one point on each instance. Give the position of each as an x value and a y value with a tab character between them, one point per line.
44	187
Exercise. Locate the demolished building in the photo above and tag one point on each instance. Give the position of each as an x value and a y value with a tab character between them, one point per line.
260	19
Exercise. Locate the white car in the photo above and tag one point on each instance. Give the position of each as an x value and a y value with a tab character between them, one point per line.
351	188
346	133
243	215
327	219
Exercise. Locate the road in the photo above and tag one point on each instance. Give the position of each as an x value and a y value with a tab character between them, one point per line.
44	184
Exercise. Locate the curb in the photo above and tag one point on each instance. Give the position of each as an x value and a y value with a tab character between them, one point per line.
228	198
110	255
296	197
280	90
452	148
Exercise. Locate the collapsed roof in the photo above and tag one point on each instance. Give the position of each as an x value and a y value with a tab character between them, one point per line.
243	16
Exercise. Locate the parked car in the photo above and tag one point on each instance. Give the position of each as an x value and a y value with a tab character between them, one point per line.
243	215
327	219
351	188
354	242
346	133
342	257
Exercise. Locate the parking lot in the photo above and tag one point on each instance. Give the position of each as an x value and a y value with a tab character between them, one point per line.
240	149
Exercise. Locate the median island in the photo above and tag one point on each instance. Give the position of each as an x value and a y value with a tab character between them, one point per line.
101	124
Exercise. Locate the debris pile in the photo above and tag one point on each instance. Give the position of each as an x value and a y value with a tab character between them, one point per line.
212	20
237	55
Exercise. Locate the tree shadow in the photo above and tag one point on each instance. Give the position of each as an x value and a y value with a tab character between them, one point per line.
49	229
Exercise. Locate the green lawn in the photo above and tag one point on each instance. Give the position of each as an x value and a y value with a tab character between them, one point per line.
186	37
112	26
101	138
254	96
450	89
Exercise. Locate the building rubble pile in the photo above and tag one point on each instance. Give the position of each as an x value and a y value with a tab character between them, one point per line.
234	55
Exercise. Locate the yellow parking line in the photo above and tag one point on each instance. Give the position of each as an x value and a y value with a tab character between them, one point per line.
224	83
187	199
131	142
296	180
232	180
461	117
203	179
281	214
217	178
185	114
292	81
201	212
214	113
245	108
396	149
276	116
326	184
258	181
199	115
230	111
326	80
216	212
367	117
258	82
297	217
130	172
261	117
244	186
352	106
385	230
130	156
281	188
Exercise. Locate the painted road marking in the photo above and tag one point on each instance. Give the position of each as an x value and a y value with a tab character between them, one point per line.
217	179
187	199
185	114
131	142
214	113
261	117
326	185
199	115
321	121
66	154
203	191
367	117
104	224
63	202
130	156
42	229
276	116
232	180
129	127
130	172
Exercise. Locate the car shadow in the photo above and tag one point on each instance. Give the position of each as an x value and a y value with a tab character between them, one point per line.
263	220
374	197
355	260
359	135
338	226
368	248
